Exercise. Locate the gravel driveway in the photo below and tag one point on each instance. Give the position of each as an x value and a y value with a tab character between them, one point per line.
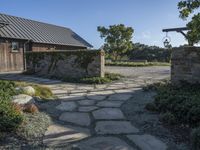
149	72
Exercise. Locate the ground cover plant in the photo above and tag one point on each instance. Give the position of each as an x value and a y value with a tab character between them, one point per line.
178	105
19	122
137	64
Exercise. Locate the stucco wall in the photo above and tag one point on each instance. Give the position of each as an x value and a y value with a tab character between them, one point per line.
185	65
64	64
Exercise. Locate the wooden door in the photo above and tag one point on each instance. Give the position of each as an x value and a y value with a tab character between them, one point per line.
11	60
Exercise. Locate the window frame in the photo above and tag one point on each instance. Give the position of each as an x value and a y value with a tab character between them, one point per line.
17	49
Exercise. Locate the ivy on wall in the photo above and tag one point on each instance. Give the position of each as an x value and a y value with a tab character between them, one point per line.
83	57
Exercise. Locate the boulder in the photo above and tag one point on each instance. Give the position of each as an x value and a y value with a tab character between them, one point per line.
29	90
22	99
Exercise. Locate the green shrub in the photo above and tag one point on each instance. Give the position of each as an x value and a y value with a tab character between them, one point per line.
113	76
151	107
10	117
7	89
168	118
183	102
195	139
95	80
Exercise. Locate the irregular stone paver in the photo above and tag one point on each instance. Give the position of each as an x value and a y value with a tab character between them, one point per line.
96	97
82	119
104	143
59	135
111	96
66	106
110	103
87	108
86	102
115	127
120	97
59	92
147	142
70	98
102	92
108	113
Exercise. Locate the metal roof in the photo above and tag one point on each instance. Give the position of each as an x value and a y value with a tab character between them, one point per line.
38	32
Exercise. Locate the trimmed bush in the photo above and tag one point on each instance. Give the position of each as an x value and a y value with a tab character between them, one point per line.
195	139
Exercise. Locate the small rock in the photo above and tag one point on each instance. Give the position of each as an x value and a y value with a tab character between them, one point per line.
29	90
22	99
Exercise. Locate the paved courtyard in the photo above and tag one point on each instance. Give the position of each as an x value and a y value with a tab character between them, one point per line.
90	117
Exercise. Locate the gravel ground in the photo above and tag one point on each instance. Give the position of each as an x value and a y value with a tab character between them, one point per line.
161	71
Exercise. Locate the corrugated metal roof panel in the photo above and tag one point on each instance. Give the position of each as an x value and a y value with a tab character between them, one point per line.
38	32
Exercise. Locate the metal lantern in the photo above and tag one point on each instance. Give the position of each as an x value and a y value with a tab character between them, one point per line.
166	41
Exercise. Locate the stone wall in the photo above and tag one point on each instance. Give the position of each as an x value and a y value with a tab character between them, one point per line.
185	65
66	64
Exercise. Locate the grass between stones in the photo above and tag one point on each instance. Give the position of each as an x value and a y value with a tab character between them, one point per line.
178	105
137	64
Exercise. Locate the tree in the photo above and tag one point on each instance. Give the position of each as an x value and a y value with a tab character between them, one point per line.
187	7
117	39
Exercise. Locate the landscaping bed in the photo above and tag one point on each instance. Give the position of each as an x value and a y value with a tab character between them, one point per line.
179	107
109	77
21	125
137	64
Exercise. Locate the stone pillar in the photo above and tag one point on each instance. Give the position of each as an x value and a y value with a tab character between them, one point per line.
185	65
102	61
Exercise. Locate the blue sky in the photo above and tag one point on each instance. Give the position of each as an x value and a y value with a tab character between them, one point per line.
147	17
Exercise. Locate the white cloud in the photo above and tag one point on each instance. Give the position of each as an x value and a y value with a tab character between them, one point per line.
146	35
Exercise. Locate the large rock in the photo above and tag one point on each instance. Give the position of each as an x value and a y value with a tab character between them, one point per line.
22	99
104	143
29	90
147	142
61	135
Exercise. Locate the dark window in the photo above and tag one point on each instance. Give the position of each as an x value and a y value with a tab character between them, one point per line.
15	46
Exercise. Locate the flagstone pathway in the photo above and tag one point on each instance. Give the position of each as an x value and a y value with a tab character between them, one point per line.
89	117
